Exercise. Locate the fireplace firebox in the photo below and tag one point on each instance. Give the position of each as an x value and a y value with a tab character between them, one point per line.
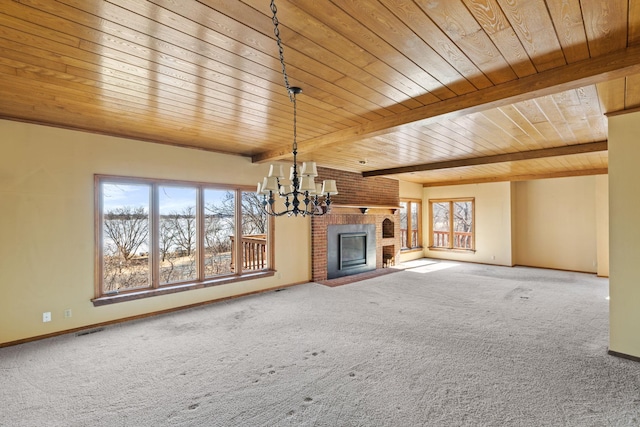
351	249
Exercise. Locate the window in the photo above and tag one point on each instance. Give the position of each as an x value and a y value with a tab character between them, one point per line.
410	230
254	232
452	224
155	237
177	236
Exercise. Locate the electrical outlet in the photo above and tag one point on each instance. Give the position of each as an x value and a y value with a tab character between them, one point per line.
46	316
67	313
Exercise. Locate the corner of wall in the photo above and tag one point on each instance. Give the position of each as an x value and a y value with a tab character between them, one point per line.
602	225
514	219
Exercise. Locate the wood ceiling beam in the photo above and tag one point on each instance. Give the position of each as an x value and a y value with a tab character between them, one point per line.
527	177
499	158
578	74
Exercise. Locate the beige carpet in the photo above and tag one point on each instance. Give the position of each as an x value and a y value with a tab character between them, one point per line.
440	344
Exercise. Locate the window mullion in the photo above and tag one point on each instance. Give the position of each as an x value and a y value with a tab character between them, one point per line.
409	227
238	252
270	239
431	241
200	232
451	235
473	225
420	224
154	241
99	238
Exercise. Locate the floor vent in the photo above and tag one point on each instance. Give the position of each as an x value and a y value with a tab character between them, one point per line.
89	331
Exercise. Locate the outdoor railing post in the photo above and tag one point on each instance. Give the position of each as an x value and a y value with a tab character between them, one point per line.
233	252
253	249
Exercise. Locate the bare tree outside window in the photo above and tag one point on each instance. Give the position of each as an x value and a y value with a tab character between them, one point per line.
452	224
463	216
440	224
219	225
403	225
410	234
253	242
125	227
178	226
254	219
254	232
166	240
463	224
415	224
183	225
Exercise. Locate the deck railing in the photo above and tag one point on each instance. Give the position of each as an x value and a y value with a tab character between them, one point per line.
461	239
254	252
403	238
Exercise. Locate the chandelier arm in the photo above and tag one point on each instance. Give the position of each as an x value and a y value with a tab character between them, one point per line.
271	202
268	206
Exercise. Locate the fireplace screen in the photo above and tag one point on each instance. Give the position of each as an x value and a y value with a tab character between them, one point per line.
353	250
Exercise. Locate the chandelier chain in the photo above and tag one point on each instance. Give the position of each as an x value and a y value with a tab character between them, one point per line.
302	196
276	31
295	125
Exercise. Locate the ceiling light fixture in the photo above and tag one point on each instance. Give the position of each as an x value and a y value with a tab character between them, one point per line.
302	196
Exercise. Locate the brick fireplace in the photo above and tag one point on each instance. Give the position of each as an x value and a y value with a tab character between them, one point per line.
362	201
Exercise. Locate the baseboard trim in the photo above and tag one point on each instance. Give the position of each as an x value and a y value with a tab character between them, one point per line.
559	269
141	316
624	356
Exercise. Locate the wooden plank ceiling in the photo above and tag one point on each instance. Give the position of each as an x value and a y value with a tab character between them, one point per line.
456	90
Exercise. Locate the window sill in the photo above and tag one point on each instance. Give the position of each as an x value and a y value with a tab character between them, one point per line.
171	289
431	248
407	250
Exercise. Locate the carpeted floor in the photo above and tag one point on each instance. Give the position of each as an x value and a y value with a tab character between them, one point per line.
437	344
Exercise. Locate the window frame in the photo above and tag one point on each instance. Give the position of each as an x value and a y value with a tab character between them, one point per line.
155	288
451	201
410	243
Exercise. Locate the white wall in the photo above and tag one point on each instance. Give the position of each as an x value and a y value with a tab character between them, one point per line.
47	224
556	223
410	190
624	229
492	222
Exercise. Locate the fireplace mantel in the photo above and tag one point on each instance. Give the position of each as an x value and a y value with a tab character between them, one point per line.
366	208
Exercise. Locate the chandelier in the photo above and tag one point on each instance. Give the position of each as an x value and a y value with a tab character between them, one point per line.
301	195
